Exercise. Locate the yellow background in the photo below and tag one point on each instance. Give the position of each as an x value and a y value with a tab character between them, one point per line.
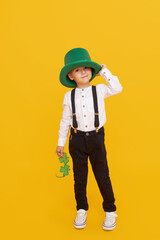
34	37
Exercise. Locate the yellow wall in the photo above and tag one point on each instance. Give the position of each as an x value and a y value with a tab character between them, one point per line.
34	37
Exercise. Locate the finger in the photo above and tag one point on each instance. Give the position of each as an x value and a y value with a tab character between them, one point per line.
58	153
103	65
61	153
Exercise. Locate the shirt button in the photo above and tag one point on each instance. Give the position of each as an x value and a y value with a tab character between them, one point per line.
84	115
82	89
82	96
83	105
86	126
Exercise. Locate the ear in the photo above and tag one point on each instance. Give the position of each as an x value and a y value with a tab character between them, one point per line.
70	76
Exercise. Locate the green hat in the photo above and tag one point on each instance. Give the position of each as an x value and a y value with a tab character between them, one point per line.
77	57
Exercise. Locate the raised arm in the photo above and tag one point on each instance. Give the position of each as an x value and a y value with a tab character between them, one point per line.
114	86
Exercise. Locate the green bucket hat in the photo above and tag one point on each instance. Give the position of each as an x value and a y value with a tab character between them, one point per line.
77	57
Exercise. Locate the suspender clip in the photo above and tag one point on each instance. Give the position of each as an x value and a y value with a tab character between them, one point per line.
75	130
97	129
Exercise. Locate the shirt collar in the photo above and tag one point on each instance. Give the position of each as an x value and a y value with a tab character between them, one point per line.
83	89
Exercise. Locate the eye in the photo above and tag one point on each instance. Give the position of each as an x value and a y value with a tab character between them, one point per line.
77	70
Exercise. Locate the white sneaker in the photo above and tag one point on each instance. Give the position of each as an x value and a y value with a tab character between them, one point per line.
80	220
110	221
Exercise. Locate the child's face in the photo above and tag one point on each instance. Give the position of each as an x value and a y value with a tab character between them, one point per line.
81	75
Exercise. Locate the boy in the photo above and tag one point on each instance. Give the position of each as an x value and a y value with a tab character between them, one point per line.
84	111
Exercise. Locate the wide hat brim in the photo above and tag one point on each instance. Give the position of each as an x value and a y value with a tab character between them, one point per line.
65	80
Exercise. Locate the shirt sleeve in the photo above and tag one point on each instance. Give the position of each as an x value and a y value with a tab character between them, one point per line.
65	122
113	87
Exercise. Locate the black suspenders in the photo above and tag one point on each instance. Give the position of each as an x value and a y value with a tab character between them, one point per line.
75	125
95	102
96	119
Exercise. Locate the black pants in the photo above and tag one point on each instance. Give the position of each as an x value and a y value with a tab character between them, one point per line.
81	146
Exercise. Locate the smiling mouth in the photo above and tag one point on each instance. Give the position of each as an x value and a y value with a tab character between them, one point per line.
84	76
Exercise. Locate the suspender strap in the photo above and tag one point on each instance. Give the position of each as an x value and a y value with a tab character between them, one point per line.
96	121
75	125
95	102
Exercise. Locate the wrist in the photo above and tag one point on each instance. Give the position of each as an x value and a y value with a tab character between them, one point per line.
106	74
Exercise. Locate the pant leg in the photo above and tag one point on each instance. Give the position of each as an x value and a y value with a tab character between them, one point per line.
80	169
98	159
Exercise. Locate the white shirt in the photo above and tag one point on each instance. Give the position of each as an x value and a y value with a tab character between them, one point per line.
84	106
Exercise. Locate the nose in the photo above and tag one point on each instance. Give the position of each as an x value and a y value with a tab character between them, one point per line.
83	70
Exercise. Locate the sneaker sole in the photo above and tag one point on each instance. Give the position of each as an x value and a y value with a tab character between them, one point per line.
80	226
109	228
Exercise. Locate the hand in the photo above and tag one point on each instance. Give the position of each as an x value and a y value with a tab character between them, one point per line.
103	66
59	151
